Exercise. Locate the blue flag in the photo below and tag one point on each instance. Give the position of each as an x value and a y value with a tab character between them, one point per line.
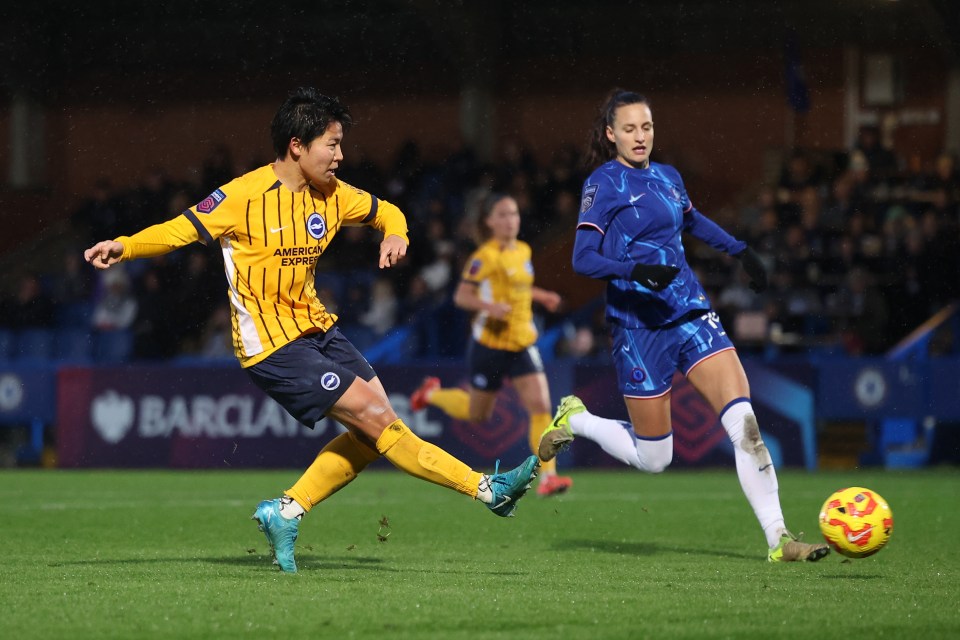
798	95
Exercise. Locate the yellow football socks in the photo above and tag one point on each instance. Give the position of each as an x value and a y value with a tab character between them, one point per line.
453	402
423	460
538	424
334	467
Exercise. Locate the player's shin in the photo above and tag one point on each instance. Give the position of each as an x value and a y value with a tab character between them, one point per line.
538	424
758	478
423	460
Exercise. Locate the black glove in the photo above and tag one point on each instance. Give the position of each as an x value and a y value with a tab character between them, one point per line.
654	276
753	265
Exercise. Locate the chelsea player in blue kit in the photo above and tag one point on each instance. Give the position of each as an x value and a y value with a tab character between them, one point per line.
632	215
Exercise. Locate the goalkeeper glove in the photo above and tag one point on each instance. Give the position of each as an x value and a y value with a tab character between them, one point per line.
754	267
654	276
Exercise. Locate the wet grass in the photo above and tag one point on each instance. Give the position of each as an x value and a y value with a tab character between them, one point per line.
624	555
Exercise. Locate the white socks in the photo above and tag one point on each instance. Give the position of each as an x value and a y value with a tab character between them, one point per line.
754	467
618	439
290	508
758	478
654	454
484	492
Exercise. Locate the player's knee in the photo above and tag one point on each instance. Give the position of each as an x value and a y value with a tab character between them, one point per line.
367	407
654	456
481	416
656	465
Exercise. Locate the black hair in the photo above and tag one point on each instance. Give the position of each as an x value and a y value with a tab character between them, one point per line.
305	115
599	148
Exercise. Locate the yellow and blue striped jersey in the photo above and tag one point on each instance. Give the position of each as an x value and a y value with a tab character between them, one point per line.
503	274
270	238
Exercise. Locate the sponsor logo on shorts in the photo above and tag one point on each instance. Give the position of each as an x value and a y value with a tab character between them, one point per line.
329	381
480	381
316	226
211	202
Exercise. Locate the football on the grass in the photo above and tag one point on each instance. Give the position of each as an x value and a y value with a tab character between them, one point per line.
856	522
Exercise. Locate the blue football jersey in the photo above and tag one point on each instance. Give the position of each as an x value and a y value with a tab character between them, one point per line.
641	214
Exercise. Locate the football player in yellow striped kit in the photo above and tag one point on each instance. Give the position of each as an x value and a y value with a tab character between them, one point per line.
272	225
497	285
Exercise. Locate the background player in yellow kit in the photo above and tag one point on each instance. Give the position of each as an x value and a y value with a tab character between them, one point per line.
497	285
272	225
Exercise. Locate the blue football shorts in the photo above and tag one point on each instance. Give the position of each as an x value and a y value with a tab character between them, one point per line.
489	366
647	358
307	376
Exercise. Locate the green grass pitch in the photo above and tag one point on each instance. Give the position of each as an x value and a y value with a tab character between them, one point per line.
625	555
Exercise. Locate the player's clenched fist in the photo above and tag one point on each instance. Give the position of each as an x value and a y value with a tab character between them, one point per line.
104	254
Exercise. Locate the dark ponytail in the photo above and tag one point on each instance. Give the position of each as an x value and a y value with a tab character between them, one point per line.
599	148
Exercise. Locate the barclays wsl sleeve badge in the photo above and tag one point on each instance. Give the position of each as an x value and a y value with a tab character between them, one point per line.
475	267
589	195
211	202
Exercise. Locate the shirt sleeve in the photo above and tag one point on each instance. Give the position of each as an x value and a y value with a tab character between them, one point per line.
362	208
588	261
477	269
703	228
218	214
596	204
159	239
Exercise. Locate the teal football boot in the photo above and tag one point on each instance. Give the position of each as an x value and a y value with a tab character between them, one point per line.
281	533
508	487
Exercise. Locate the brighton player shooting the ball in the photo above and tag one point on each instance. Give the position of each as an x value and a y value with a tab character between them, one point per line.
272	225
632	215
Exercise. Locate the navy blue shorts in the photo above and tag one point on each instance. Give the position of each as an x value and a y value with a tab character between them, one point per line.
646	359
308	376
489	366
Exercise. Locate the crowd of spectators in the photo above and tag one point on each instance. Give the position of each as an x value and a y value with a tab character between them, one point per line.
861	245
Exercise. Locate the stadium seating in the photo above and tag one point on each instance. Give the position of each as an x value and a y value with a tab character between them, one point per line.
74	345
360	335
34	345
76	314
6	344
901	443
113	347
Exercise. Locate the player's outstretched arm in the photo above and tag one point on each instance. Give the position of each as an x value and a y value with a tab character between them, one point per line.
104	254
